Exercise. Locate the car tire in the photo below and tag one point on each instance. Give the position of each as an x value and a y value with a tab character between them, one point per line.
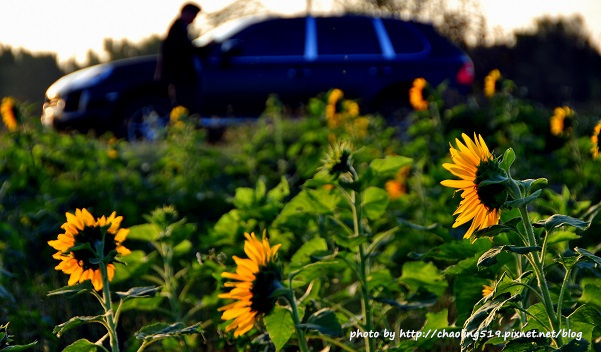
145	118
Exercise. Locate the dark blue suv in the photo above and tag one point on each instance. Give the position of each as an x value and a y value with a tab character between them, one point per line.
372	59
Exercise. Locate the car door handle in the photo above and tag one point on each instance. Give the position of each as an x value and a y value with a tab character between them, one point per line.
380	71
299	73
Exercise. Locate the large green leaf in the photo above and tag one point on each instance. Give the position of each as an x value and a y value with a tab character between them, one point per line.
76	321
144	232
559	220
159	331
309	201
523	201
279	326
375	200
390	165
74	290
83	345
420	275
325	322
483	318
18	348
304	253
139	292
490	257
583	321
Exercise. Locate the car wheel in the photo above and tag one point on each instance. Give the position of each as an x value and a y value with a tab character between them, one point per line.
146	119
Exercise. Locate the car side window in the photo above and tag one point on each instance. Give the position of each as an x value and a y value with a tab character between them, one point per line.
405	38
277	37
346	36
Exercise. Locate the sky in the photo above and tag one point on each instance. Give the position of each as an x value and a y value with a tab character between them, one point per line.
70	28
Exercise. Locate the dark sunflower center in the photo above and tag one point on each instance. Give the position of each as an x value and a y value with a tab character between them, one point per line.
567	123
492	196
263	287
93	236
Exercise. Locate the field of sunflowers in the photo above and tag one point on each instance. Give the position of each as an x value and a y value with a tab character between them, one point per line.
456	224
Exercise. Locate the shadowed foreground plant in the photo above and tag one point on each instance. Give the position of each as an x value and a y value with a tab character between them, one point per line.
88	251
525	287
6	340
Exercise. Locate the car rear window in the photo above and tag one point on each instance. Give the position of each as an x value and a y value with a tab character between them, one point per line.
346	36
405	38
276	37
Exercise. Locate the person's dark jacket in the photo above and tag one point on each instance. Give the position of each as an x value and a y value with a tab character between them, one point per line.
176	62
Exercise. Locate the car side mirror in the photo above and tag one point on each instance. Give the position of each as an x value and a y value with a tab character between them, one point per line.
231	47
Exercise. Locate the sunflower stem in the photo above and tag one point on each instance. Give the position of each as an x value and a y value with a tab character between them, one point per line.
540	274
106	294
302	340
110	319
363	266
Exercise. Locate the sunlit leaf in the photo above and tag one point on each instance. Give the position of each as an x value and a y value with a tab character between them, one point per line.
159	331
559	220
76	321
83	345
375	201
279	326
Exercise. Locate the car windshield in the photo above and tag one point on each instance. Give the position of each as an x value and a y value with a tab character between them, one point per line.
226	30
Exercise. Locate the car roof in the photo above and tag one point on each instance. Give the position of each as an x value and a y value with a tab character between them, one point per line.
230	27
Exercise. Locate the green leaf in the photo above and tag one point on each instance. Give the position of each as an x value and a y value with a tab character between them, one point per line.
309	201
303	254
184	247
279	192
390	165
585	320
591	291
17	348
318	269
561	236
533	185
325	322
558	220
244	198
590	256
522	201
279	326
418	275
82	345
159	331
375	201
436	320
483	318
76	321
144	232
139	292
74	290
489	258
495	230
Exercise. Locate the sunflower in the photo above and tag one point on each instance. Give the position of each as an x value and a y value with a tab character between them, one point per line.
257	276
561	121
77	259
473	163
7	110
416	97
332	117
490	82
487	290
595	140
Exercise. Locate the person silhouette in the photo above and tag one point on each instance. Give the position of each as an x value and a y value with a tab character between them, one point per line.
178	60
